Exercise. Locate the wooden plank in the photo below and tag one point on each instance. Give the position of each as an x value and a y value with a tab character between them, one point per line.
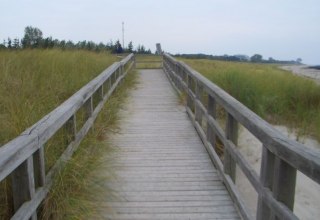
39	167
23	186
173	216
266	178
284	183
265	195
211	111
137	210
232	135
149	204
161	160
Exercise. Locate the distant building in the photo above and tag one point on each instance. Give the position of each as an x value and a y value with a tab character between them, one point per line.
159	50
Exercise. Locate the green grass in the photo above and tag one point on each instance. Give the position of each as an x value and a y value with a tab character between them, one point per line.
148	65
276	95
79	191
34	82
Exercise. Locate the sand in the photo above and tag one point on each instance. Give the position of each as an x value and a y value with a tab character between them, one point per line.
303	70
307	197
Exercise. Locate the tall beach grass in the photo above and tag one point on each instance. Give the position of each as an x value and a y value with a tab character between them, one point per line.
34	82
79	191
276	95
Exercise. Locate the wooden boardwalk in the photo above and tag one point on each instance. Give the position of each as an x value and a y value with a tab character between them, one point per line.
162	169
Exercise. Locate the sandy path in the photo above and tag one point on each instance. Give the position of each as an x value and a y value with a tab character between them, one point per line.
307	198
303	70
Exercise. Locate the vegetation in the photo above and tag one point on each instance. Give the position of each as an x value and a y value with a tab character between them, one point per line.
148	61
34	82
276	95
256	58
33	38
81	179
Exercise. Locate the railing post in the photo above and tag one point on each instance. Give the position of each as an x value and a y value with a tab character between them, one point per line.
284	183
212	111
39	167
266	178
280	178
71	128
178	79
232	135
189	99
121	69
109	84
89	107
198	111
102	92
23	186
134	61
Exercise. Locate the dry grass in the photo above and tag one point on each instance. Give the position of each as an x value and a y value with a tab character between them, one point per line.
148	61
34	82
79	190
276	95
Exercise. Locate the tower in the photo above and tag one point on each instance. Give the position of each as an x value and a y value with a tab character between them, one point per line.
123	35
159	51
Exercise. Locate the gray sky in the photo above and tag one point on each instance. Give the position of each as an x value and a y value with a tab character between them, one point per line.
282	29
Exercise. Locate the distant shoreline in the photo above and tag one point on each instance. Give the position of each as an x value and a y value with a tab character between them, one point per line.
315	67
310	72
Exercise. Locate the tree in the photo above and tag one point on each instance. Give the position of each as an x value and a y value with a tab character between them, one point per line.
141	49
256	58
299	61
16	43
117	47
130	47
32	37
271	60
9	43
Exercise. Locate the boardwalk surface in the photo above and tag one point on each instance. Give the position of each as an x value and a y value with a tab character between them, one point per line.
162	168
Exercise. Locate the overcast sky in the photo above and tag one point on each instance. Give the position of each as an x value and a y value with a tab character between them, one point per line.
282	29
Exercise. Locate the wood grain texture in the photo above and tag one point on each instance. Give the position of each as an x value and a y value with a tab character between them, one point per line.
273	201
162	169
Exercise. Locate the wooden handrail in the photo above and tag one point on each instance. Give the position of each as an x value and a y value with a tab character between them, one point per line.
23	157
282	157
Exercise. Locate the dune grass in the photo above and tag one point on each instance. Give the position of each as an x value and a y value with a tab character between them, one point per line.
148	61
34	82
79	191
276	95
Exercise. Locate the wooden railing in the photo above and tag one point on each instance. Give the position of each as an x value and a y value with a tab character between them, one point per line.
281	157
24	157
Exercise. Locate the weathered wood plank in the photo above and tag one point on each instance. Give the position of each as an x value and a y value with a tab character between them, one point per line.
161	160
287	156
232	135
174	216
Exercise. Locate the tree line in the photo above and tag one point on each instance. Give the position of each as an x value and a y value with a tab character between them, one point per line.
256	58
33	38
